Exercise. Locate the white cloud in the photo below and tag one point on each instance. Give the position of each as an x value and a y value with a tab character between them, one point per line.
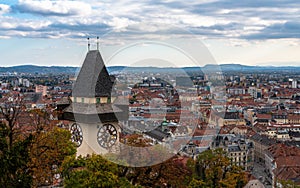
119	23
4	37
208	18
54	8
4	9
8	23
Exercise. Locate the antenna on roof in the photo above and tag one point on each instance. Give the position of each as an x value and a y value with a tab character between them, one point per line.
97	43
88	44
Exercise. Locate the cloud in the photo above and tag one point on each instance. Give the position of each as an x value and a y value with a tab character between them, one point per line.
64	28
277	31
4	9
53	8
249	19
10	23
120	23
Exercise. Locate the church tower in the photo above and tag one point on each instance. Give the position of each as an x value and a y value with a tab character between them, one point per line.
92	113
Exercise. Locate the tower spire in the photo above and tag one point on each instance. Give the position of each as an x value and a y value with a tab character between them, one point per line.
97	43
88	44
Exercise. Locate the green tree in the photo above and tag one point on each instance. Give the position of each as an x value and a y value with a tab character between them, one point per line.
288	184
93	171
13	161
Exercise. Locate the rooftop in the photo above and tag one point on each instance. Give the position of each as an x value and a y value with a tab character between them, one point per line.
93	79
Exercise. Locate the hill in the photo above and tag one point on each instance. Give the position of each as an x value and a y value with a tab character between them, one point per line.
33	69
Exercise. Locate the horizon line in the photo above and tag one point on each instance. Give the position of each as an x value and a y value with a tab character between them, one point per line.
68	66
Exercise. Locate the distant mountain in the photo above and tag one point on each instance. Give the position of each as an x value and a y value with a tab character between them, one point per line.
115	68
33	69
246	68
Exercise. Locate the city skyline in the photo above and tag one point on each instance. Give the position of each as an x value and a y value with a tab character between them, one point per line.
51	33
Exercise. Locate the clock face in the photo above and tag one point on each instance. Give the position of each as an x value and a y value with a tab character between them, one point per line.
107	136
76	134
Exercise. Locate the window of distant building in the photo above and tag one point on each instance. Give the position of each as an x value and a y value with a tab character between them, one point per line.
82	100
108	100
75	99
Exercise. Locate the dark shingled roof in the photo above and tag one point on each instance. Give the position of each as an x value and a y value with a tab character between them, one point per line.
263	139
234	148
93	79
231	115
157	134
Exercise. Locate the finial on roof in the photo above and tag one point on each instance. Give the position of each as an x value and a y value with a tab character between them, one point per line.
97	43
88	44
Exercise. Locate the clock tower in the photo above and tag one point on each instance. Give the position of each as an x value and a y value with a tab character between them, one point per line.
92	112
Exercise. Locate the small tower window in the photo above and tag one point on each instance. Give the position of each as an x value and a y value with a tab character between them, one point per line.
97	100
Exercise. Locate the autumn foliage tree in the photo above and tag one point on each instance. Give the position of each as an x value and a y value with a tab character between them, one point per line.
213	169
13	150
47	152
168	173
30	147
13	161
11	108
97	171
48	148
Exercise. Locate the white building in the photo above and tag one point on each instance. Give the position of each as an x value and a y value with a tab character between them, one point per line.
294	84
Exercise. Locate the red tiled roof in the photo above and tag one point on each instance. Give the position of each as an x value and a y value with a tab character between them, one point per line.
287	160
264	116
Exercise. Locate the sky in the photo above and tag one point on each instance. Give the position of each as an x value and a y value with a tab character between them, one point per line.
249	32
